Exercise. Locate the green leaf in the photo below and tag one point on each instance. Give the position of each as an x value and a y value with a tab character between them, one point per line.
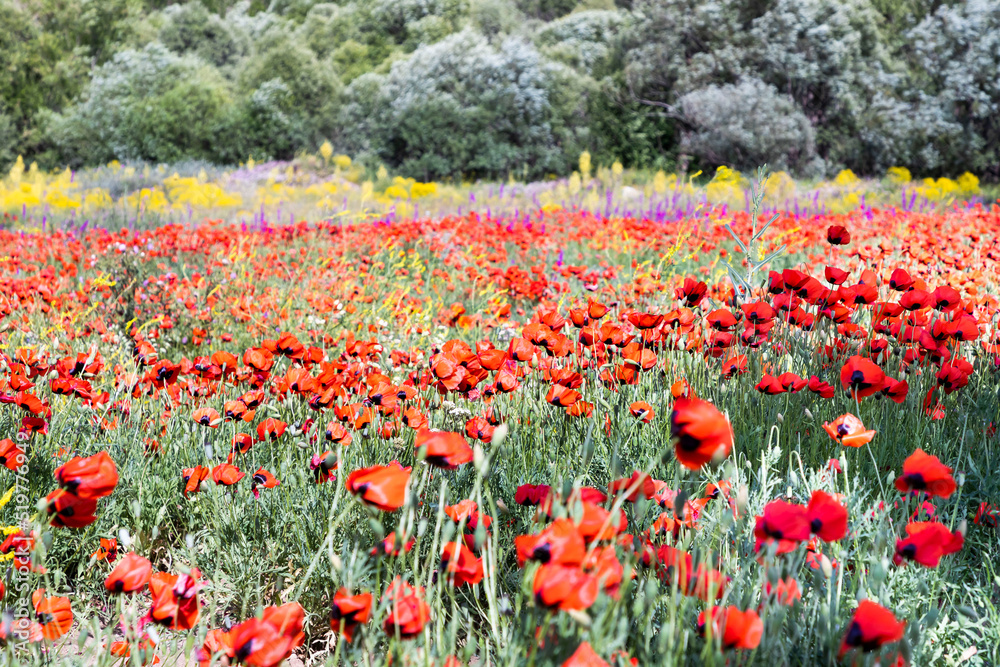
736	238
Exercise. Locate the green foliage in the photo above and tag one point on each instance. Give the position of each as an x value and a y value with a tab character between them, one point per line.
747	124
465	107
191	28
880	82
312	89
144	105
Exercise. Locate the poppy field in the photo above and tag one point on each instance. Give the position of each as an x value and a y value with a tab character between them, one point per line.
556	435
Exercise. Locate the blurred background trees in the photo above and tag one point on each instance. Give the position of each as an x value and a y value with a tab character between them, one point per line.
485	88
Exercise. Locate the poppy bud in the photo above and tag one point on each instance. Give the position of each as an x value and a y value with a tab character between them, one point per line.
742	498
826	566
781	418
499	435
479	459
679	501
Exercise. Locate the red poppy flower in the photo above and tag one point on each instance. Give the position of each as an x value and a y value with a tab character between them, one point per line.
53	614
738	629
580	409
532	494
88	478
597	523
382	487
792	383
915	299
900	280
872	627
861	377
242	442
12	454
737	364
444	450
193	477
703	433
323	466
835	276
207	417
216	642
565	587
108	551
175	601
226	474
130	575
258	643
271	429
927	542
946	298
70	511
468	511
408	613
784	522
827	517
560	543
896	391
838	235
122	649
642	411
262	478
31	403
643	484
721	320
388	546
785	592
461	565
349	612
692	291
924	472
849	431
237	411
987	515
268	641
562	396
770	385
584	656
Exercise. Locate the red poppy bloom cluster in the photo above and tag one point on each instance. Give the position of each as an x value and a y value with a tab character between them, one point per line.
369	364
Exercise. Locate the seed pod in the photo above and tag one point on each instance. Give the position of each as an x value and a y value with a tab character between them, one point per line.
826	566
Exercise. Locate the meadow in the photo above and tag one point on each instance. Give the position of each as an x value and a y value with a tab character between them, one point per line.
306	411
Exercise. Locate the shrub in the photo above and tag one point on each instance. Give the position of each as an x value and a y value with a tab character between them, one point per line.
327	26
313	89
493	17
582	39
398	17
746	124
463	106
191	28
956	56
265	126
8	140
144	105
